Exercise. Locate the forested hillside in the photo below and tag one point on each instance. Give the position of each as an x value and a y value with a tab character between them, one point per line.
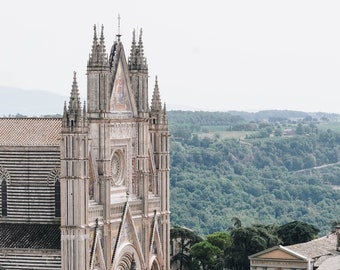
270	170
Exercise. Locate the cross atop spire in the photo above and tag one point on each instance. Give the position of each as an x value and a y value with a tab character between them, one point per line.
119	34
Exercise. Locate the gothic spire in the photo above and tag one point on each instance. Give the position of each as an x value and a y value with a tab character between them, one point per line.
94	51
102	49
133	45
156	104
84	113
164	108
140	45
98	55
65	110
137	61
65	115
74	103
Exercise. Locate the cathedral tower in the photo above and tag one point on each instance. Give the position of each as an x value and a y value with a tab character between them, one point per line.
159	134
74	185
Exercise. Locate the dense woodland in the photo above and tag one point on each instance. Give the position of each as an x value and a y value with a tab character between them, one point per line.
270	167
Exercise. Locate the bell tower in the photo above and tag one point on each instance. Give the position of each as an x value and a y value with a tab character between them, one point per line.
74	184
159	134
138	68
98	77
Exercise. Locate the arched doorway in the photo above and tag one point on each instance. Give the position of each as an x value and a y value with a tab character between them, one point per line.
128	258
127	262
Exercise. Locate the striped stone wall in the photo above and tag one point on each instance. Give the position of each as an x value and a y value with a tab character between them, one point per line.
30	173
37	260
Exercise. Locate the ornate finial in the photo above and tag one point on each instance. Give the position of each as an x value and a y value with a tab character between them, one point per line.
65	108
119	35
95	31
140	44
164	107
84	109
102	32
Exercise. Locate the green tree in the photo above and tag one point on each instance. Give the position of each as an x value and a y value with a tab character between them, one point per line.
221	240
185	239
297	232
206	254
247	241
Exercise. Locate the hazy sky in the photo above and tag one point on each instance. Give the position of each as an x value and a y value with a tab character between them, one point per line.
216	55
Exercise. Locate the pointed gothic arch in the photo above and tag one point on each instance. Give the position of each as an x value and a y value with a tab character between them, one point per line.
5	180
3	198
155	265
4	174
53	179
127	262
128	258
57	199
94	184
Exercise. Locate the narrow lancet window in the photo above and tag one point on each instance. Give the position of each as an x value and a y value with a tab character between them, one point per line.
4	198
57	198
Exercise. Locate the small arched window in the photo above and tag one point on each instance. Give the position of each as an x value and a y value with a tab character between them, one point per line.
4	197
53	179
4	180
57	198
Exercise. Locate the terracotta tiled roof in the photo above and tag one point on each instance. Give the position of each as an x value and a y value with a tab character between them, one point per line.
30	131
318	247
32	236
320	250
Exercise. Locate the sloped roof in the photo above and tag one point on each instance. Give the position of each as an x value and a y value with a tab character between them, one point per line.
30	131
31	236
278	252
320	250
315	248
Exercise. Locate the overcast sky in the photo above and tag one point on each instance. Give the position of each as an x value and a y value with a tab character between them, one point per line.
210	55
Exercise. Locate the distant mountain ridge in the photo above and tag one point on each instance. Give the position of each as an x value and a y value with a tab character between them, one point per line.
25	102
15	101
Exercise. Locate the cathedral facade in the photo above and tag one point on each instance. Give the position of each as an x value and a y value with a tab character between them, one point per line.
90	190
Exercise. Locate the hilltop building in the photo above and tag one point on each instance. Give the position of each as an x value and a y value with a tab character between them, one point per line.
90	190
319	254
